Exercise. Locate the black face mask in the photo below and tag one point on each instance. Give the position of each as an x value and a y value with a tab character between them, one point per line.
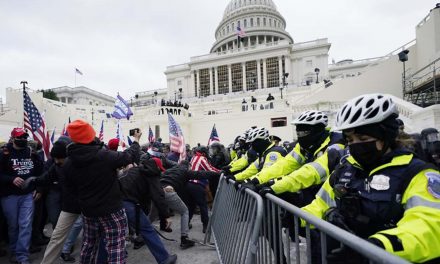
21	143
311	142
366	154
260	145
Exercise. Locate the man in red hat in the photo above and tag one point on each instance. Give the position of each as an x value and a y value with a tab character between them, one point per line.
18	163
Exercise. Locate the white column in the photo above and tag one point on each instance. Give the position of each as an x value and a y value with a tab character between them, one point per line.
280	70
233	45
264	74
198	84
230	78
265	39
216	80
191	79
244	75
258	74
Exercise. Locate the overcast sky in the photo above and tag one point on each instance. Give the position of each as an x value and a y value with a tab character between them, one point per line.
125	45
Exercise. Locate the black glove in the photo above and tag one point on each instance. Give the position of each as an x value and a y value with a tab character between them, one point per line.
249	184
265	190
229	177
267	184
334	216
29	183
226	169
376	242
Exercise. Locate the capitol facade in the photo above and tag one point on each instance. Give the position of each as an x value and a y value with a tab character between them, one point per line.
256	74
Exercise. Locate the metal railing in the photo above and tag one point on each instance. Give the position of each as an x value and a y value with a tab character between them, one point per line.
248	230
235	224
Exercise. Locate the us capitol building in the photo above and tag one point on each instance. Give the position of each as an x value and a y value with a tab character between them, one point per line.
263	78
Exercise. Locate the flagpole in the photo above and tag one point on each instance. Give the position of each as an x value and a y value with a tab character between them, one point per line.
24	89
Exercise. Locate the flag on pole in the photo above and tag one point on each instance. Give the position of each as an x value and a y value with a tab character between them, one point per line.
122	109
120	135
101	131
177	141
64	131
151	138
214	136
240	32
78	71
52	138
129	141
35	123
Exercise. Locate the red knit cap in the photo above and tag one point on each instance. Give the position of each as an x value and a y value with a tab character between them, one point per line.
81	132
113	144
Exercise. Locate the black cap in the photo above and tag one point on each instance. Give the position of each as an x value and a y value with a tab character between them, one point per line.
59	149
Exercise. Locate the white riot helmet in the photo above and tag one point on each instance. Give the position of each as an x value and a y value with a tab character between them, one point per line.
364	110
311	117
257	133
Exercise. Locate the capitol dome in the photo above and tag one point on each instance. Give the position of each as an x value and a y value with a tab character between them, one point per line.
259	19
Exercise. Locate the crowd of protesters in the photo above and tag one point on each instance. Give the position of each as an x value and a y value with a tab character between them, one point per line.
110	195
113	196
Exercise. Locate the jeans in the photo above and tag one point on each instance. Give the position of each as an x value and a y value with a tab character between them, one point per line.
73	235
53	205
177	205
197	197
19	210
147	231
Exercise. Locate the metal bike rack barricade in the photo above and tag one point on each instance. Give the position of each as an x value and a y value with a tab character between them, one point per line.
235	224
274	206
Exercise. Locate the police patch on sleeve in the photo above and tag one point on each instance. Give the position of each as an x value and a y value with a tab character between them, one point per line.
273	157
433	184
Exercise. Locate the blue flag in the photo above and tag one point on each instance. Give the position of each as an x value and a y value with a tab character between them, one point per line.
122	109
129	141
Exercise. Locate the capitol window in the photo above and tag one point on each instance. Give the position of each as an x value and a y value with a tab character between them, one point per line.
179	82
309	63
251	75
270	22
228	29
223	80
252	22
204	82
237	77
272	68
258	21
264	21
245	23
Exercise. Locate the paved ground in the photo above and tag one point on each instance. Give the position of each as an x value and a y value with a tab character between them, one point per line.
196	255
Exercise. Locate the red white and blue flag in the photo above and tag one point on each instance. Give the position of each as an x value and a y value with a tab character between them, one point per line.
101	132
151	138
177	141
214	136
240	32
52	138
34	122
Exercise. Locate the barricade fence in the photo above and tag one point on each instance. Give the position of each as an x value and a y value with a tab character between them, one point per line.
249	229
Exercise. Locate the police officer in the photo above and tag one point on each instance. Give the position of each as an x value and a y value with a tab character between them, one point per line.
381	192
267	151
311	154
245	155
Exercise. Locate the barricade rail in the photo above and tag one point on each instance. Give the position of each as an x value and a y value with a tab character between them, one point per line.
249	229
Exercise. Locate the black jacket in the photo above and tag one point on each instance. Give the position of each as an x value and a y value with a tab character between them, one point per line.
91	172
14	163
178	176
141	185
55	178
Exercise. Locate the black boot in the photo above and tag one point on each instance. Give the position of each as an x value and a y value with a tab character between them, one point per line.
171	259
204	228
185	242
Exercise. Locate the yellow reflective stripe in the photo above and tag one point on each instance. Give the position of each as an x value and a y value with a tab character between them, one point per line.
297	157
419	201
320	169
325	196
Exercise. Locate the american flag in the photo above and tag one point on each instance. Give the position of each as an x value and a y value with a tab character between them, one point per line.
240	32
214	136
52	138
151	138
101	131
177	142
34	122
